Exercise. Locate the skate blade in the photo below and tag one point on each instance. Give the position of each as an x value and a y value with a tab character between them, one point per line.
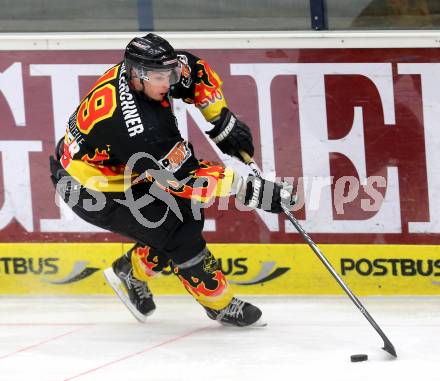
260	323
117	286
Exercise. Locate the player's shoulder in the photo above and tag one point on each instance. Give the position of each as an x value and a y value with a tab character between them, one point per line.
186	57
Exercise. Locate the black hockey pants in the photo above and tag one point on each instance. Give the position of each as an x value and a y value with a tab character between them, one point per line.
178	240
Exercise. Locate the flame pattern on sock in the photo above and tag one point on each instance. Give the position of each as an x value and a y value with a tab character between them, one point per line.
147	263
206	282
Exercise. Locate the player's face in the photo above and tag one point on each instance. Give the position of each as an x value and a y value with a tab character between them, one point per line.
156	86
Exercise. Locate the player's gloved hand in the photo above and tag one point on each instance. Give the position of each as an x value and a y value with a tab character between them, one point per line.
231	135
256	192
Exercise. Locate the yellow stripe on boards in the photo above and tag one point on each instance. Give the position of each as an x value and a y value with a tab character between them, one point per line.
260	269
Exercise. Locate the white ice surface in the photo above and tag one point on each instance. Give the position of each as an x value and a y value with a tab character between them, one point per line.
307	338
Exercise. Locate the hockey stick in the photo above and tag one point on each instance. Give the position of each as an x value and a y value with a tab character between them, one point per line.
388	346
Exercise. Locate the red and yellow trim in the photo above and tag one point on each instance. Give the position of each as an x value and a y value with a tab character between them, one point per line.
208	95
217	182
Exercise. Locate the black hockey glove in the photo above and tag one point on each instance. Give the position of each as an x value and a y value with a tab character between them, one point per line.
256	192
231	135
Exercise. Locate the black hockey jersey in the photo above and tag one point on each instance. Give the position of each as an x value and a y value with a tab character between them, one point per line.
116	134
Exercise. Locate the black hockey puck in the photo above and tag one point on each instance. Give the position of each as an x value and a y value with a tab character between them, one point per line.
358	358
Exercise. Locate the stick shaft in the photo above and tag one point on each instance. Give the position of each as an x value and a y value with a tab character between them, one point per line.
388	346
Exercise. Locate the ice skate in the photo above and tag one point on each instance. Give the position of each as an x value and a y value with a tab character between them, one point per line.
237	313
133	292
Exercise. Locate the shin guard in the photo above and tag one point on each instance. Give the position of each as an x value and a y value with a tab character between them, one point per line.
204	280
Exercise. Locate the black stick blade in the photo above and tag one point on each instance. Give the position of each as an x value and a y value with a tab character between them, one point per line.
389	348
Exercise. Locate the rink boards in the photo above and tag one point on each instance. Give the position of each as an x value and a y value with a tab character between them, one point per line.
351	117
291	269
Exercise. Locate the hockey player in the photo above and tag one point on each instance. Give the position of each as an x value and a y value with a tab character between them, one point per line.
123	138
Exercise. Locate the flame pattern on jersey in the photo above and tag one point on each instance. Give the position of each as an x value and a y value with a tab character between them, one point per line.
208	181
205	91
97	161
208	95
99	156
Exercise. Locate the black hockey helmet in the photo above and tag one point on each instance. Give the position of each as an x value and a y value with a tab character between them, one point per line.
151	53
